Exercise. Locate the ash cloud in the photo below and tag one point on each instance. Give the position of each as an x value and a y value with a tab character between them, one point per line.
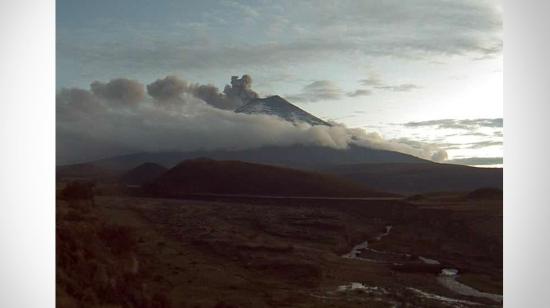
240	88
171	89
182	116
120	90
73	103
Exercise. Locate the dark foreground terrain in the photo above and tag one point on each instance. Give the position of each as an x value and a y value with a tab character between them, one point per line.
125	251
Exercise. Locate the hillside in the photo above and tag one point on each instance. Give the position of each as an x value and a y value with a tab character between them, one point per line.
205	176
419	178
88	171
144	173
377	169
296	156
486	193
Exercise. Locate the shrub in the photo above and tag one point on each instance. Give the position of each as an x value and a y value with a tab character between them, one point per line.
78	191
119	239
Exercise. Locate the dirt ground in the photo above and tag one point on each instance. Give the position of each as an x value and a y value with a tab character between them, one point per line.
271	253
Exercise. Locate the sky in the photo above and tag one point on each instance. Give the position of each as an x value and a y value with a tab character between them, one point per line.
418	71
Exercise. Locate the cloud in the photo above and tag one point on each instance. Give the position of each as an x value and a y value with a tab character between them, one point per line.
231	36
482	144
319	90
440	156
245	10
468	124
324	90
477	161
359	92
498	122
468	135
373	80
431	150
478	134
406	87
92	127
472	145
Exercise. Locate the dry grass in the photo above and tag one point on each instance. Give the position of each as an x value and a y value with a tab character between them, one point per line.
97	265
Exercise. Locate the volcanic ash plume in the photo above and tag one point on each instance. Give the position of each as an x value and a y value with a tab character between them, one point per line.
241	89
171	89
117	117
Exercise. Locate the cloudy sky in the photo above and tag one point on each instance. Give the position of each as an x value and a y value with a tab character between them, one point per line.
418	71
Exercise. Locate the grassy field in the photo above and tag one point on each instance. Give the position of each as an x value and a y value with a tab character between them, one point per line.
274	253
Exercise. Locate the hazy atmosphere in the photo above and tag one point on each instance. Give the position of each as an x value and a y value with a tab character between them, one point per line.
420	77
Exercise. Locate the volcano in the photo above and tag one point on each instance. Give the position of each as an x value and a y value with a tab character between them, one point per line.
280	107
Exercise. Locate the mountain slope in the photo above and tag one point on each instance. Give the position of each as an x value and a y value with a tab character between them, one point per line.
205	176
296	156
87	171
419	178
144	173
278	106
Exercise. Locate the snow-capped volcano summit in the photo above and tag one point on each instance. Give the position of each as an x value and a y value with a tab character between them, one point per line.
278	106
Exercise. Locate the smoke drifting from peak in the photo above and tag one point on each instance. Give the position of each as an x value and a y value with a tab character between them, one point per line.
171	88
241	88
182	116
121	90
168	88
71	102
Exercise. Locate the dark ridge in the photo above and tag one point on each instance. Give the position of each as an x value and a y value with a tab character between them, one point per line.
142	174
310	157
419	178
241	178
84	171
487	193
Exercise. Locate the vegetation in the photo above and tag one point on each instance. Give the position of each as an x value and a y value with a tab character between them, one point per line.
97	263
486	193
202	176
78	191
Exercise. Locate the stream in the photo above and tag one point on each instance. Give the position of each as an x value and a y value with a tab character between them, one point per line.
363	248
447	277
